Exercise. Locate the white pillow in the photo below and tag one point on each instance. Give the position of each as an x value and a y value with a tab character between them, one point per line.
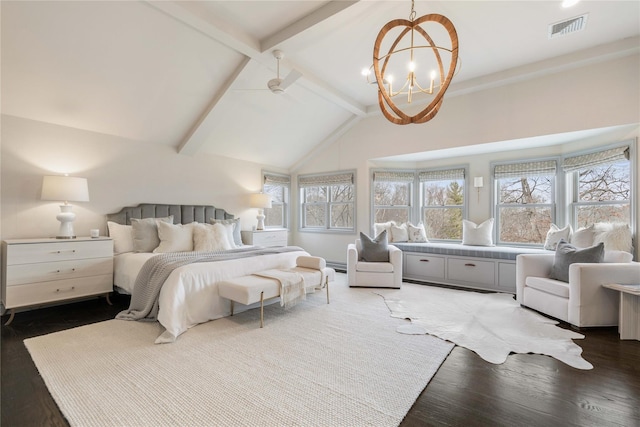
616	237
122	237
417	233
379	227
210	238
617	256
555	234
174	237
399	233
477	235
229	229
583	237
145	233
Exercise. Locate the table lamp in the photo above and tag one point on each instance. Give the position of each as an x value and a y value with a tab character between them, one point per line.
260	201
65	188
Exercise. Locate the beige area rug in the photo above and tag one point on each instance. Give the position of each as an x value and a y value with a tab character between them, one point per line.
315	364
492	325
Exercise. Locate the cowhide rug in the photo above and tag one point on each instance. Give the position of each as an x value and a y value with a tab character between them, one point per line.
492	325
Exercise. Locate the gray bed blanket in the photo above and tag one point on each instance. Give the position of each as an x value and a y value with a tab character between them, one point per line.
154	272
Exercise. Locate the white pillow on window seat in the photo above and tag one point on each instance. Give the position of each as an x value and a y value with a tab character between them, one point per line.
555	234
477	235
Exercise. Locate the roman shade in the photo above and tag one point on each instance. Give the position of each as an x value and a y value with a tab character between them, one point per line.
571	164
519	170
345	178
442	174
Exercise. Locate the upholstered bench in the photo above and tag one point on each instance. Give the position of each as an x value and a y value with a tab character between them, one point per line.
256	288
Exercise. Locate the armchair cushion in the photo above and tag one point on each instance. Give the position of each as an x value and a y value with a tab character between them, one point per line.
567	254
374	250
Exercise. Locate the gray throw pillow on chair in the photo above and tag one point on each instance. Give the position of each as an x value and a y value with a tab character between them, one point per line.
567	254
374	250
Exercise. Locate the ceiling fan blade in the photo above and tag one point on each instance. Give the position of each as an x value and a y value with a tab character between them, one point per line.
291	78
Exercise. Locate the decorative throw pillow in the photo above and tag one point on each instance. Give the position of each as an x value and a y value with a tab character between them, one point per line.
174	237
617	256
374	250
417	233
122	237
616	237
379	227
555	234
567	254
210	238
236	236
399	233
477	235
583	237
145	233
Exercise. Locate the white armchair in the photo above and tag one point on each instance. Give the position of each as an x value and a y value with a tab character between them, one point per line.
582	302
374	274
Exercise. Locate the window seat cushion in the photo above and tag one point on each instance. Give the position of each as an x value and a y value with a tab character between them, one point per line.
494	252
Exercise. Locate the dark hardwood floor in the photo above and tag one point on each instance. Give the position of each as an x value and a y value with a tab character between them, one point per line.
527	390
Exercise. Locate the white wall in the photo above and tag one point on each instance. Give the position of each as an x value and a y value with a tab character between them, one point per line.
595	96
124	172
120	173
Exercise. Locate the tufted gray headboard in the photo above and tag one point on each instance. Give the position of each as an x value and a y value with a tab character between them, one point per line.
182	214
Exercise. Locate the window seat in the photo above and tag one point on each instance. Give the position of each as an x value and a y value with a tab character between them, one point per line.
480	267
458	249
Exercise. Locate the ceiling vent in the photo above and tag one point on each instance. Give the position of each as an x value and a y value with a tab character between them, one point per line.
568	26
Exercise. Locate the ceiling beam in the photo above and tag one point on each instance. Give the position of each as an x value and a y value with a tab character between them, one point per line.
203	127
323	13
210	26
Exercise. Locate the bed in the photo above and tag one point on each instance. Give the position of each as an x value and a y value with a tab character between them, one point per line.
189	295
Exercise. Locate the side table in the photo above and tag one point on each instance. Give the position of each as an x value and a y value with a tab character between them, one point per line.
629	320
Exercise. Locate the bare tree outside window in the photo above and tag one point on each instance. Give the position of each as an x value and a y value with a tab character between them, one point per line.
391	201
329	207
525	208
604	194
276	216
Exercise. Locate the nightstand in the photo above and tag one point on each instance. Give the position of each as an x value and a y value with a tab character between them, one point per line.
41	271
270	237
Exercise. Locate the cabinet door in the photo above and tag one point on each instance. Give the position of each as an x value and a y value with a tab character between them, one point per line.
270	238
424	265
507	276
472	271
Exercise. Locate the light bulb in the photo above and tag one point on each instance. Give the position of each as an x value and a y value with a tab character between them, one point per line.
389	78
366	71
412	66
433	75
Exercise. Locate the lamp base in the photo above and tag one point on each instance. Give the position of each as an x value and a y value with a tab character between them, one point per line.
66	218
260	219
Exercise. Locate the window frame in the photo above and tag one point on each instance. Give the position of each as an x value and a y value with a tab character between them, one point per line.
422	208
327	228
286	204
573	181
410	208
556	195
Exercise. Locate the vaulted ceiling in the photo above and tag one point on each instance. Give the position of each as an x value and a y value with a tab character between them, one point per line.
193	74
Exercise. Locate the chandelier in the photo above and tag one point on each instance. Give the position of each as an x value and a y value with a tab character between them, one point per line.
427	78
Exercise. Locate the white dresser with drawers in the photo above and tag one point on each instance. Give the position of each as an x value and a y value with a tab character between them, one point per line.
41	271
269	237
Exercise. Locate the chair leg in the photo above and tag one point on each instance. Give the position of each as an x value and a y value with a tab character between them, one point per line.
262	309
327	286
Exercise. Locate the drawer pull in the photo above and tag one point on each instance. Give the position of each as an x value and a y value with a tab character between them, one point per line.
73	251
73	270
424	260
71	289
469	265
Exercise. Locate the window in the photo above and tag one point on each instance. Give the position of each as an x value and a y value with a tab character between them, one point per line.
601	187
392	196
327	202
443	202
525	201
278	186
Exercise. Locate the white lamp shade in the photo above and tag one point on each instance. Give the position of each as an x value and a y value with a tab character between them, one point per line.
261	200
65	188
477	182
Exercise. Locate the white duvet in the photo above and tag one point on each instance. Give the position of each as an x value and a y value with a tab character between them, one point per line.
189	296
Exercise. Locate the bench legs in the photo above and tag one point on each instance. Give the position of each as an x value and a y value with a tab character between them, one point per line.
262	304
